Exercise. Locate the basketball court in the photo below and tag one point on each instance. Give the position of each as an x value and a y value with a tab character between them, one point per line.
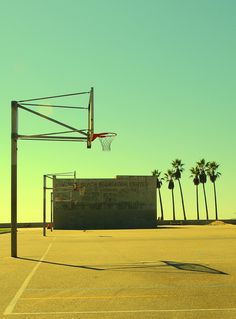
169	272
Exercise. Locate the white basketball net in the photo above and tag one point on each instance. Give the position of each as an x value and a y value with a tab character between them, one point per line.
106	141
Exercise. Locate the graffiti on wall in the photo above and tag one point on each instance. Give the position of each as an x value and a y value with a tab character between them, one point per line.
120	193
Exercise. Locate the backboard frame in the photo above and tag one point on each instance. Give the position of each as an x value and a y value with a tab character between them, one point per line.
84	136
90	118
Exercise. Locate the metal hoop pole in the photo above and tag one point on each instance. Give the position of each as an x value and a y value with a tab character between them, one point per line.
53	196
51	210
44	204
14	134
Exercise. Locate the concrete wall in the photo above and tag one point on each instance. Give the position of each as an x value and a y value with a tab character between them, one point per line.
122	202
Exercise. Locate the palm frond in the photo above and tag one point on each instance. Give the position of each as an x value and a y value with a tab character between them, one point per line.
212	171
195	171
178	168
156	173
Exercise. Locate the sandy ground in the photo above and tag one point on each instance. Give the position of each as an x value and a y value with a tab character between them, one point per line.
169	272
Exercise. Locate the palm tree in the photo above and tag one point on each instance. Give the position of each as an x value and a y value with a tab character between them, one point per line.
195	174
178	169
202	165
169	177
213	174
157	174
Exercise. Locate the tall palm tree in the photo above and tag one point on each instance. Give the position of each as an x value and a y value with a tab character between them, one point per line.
178	169
202	165
195	174
169	177
214	174
157	174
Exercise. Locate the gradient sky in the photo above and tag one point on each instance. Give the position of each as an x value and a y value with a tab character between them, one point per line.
164	78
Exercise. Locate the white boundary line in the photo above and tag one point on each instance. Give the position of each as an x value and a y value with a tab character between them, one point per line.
123	311
11	306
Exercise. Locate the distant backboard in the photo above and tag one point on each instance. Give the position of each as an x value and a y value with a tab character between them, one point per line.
90	119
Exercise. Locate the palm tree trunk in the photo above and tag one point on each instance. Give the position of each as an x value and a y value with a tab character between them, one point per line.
204	191
216	210
173	203
182	199
162	213
198	216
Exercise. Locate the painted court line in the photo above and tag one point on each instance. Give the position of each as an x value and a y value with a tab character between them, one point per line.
10	307
94	297
101	288
123	311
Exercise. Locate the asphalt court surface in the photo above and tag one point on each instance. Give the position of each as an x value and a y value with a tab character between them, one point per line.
168	272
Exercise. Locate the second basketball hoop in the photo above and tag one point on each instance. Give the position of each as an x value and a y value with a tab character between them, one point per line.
105	139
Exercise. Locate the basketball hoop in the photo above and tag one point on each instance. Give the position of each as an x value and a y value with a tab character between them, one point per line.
105	139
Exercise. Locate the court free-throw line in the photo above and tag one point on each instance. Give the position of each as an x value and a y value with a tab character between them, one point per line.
122	311
10	307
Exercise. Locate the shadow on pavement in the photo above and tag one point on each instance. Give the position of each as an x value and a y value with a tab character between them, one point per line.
120	267
140	266
193	267
60	264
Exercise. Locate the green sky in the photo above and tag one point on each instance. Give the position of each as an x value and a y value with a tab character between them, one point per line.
164	79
